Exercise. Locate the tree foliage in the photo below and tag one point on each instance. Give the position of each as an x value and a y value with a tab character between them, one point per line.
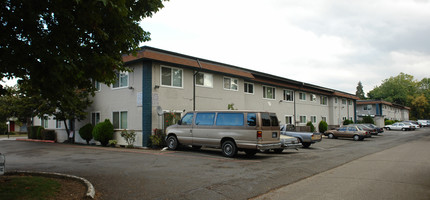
360	93
405	90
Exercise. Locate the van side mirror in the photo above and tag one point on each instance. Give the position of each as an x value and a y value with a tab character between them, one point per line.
179	122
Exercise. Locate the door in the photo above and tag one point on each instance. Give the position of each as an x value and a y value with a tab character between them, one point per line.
12	126
203	125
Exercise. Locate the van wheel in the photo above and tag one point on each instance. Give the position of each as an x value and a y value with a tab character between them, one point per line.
278	150
172	142
356	137
250	152
229	149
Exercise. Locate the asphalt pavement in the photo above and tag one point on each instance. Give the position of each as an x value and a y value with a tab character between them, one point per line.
402	172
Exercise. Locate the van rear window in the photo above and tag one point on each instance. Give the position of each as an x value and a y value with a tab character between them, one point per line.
229	119
274	119
205	119
265	119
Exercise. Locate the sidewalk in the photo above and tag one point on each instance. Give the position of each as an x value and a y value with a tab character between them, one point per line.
402	172
12	138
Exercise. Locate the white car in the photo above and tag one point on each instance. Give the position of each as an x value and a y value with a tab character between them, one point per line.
424	122
399	126
416	126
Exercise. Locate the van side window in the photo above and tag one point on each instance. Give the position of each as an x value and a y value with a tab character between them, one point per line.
274	119
252	119
206	119
187	119
229	119
265	119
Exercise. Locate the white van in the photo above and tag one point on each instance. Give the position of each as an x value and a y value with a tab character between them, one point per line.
232	131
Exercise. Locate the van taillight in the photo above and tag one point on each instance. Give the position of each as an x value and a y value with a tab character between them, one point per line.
259	134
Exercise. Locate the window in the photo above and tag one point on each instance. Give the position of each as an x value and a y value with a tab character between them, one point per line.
349	102
249	88
335	100
367	107
204	79
268	92
288	119
121	80
206	119
302	96
314	119
324	119
120	120
252	119
229	119
288	95
231	83
95	118
344	101
323	100
97	85
171	77
343	118
58	123
303	119
269	119
352	129
45	121
187	119
313	97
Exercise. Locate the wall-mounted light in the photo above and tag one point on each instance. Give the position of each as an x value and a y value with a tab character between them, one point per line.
131	88
156	86
281	101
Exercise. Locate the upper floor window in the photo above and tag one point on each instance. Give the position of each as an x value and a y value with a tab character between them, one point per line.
121	80
268	92
323	100
344	101
302	96
288	95
313	97
335	100
349	102
171	77
249	88
204	79
367	107
231	83
97	85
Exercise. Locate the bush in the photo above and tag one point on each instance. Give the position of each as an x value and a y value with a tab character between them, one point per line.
311	126
32	132
322	126
86	132
39	133
103	132
130	137
368	120
389	122
48	134
347	121
158	138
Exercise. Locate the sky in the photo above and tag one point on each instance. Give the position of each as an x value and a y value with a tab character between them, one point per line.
330	43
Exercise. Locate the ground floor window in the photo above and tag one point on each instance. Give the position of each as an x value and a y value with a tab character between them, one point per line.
45	121
95	118
303	119
58	123
120	120
324	119
314	119
288	119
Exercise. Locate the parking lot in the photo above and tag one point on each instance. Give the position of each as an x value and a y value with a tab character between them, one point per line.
120	173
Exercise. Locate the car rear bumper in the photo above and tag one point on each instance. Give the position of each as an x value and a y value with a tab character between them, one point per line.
269	146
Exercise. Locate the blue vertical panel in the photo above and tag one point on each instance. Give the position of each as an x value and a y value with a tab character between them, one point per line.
355	110
378	109
146	102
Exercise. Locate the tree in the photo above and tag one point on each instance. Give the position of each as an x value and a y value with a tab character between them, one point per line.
360	93
395	89
419	106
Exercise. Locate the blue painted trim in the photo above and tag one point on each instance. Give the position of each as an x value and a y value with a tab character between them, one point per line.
146	102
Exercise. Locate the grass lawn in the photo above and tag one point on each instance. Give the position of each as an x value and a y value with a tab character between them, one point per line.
27	187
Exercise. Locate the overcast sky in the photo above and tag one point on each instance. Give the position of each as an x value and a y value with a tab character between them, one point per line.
330	43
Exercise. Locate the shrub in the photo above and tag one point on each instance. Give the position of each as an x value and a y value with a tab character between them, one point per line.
32	132
347	121
48	134
86	132
130	137
311	126
103	132
389	122
322	126
158	138
368	120
39	133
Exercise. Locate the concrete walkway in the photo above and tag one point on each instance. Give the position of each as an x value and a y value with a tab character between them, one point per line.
402	172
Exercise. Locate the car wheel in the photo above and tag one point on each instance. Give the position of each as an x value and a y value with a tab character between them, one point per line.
229	149
172	142
306	144
278	150
250	152
356	137
330	136
403	129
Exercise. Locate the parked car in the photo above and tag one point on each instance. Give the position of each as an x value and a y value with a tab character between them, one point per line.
399	126
232	131
414	126
372	131
354	132
415	123
424	122
378	129
287	142
306	138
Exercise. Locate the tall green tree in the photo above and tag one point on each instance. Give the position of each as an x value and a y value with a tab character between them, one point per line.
395	89
359	92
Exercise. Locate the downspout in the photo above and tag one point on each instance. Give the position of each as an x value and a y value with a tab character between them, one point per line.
295	119
194	84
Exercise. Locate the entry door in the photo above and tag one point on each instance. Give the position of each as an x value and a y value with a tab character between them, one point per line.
12	126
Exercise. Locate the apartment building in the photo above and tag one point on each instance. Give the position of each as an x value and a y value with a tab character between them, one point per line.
380	110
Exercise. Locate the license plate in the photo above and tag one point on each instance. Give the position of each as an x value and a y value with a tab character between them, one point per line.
274	134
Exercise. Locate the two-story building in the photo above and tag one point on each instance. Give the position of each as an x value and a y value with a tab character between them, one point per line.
381	110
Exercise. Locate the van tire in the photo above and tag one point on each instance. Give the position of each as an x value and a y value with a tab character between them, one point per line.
229	149
172	142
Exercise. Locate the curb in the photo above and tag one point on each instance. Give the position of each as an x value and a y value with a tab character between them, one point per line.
34	140
90	188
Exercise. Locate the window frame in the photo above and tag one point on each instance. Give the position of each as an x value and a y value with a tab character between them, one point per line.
231	83
95	114
305	117
246	87
314	119
302	94
324	100
58	124
120	125
204	80
118	80
291	95
313	97
171	76
265	92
